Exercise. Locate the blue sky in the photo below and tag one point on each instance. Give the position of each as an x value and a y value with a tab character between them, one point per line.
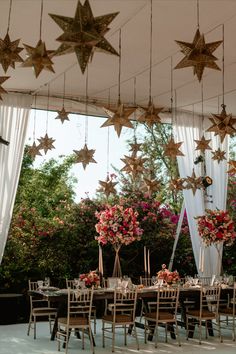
70	136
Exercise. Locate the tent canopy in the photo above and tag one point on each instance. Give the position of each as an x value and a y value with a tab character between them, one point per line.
172	20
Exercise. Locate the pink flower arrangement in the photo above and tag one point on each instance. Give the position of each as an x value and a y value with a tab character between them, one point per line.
90	279
167	275
216	226
118	226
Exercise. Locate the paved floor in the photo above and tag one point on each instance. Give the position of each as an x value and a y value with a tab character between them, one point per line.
13	340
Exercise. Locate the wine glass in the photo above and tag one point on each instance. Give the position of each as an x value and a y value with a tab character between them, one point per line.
154	280
47	281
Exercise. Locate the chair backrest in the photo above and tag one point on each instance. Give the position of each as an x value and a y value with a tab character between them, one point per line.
34	300
167	300
70	283
209	299
125	303
80	303
145	281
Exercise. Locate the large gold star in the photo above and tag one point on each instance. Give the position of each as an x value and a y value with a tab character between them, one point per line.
218	155
46	143
134	165
193	182
34	150
2	80
84	33
150	115
223	124
9	52
152	185
232	169
62	115
171	149
203	144
84	156
118	117
107	187
39	58
176	184
198	54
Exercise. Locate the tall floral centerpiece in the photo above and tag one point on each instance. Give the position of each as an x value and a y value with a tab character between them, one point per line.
117	226
216	227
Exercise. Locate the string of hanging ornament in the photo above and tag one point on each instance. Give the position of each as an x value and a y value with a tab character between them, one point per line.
62	114
85	155
34	150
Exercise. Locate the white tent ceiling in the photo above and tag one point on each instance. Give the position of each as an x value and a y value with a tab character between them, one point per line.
172	20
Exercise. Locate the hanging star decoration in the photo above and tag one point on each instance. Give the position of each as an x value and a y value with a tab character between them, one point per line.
84	33
39	58
222	124
107	187
2	80
193	182
218	155
34	150
134	165
150	115
198	54
84	156
152	185
134	148
9	52
176	184
171	149
118	117
62	115
203	144
46	143
232	169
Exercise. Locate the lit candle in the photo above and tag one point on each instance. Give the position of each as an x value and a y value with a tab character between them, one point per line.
148	263
145	260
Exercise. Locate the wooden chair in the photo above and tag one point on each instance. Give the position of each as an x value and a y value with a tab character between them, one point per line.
122	315
165	313
78	317
145	281
39	308
207	311
229	313
70	283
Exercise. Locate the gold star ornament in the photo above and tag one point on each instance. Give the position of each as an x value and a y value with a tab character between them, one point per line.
34	150
107	187
152	185
9	52
119	117
203	144
171	149
84	33
193	182
84	156
176	184
222	124
134	148
46	143
218	155
134	165
150	115
2	80
39	58
198	54
62	115
232	169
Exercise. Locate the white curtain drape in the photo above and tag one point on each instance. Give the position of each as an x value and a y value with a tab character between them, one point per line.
14	114
188	127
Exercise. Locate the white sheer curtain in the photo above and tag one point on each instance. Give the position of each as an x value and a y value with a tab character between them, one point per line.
14	114
187	128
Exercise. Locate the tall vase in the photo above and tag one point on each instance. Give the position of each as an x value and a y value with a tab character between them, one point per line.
117	268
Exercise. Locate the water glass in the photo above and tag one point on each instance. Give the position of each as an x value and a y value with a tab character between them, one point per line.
47	281
40	284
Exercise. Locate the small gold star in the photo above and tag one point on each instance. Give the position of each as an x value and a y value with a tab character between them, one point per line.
223	124
176	184
152	185
193	182
107	187
203	144
135	148
38	58
9	52
232	169
133	165
150	115
198	54
62	115
33	150
119	118
84	156
218	155
2	80
171	149
46	143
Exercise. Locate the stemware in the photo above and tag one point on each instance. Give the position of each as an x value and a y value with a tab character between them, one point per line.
47	281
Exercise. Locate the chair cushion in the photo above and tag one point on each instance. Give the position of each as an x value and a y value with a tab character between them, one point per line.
163	316
44	311
74	321
119	318
226	311
205	314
